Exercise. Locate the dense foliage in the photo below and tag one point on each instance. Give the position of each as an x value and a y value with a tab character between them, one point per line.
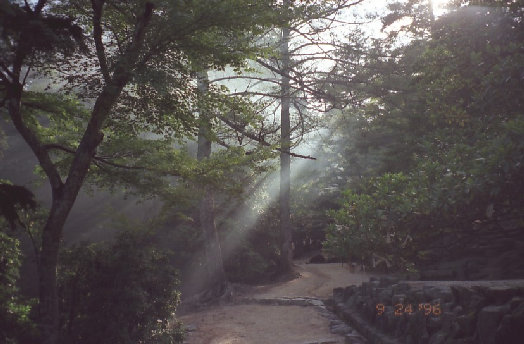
16	325
125	292
445	123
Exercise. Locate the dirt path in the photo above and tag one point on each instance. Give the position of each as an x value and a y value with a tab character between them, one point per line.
270	323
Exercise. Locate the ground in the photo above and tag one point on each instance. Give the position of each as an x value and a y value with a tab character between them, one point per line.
274	324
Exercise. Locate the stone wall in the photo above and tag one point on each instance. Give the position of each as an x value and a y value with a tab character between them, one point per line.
390	311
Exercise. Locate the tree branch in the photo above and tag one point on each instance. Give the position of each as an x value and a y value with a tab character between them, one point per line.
316	93
105	101
241	130
98	6
7	71
39	6
13	97
50	146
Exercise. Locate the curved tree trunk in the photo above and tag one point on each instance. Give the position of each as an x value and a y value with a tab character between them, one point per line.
64	193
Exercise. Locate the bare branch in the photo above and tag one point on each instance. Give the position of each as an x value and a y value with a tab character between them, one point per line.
7	72
234	77
97	158
313	91
39	6
27	72
241	129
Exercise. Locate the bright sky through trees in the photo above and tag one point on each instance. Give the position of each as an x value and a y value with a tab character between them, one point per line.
439	7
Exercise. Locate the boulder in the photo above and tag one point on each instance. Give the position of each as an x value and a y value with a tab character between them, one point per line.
438	338
387	281
488	322
466	324
511	328
499	294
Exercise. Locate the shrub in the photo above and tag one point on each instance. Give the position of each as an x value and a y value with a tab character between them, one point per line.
15	324
122	293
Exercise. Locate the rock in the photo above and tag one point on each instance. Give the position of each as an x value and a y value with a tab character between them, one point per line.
446	295
438	338
385	295
469	340
354	339
416	328
466	325
400	288
430	292
454	330
335	322
515	302
447	307
469	298
517	314
448	319
505	330
341	329
377	292
461	295
323	341
488	323
387	281
511	328
458	310
347	314
359	301
315	302
499	294
390	320
350	291
339	295
433	324
400	326
366	289
418	296
398	299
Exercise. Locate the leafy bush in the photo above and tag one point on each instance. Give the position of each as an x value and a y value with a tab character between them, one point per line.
374	219
15	323
125	292
246	265
389	214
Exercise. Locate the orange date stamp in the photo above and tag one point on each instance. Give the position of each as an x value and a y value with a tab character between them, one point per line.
399	309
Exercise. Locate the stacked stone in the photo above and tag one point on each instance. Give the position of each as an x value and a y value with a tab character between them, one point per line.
389	311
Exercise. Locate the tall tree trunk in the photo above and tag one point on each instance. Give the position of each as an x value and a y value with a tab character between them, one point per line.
216	277
48	294
285	158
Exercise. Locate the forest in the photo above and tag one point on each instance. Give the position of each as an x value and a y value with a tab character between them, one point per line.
153	151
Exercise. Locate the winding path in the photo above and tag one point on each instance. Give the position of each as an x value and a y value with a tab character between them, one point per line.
285	313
